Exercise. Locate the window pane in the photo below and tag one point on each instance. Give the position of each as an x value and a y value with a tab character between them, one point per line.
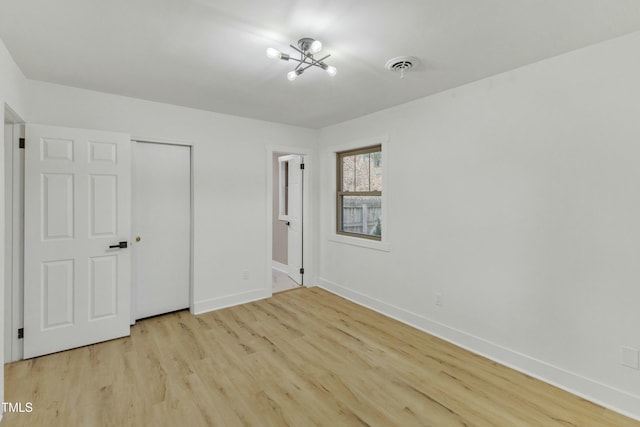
362	215
375	175
362	172
286	188
348	174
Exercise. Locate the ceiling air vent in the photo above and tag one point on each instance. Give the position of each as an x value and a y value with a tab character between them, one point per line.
401	64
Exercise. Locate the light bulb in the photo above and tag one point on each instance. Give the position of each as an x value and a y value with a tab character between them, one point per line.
315	47
331	70
292	75
273	53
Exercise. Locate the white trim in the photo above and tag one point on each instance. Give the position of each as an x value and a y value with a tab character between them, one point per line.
3	338
308	190
18	243
331	152
156	140
360	143
596	392
8	242
14	302
11	117
363	243
283	268
229	301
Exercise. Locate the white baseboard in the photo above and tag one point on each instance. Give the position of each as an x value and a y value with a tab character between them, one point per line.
280	267
200	307
314	282
601	394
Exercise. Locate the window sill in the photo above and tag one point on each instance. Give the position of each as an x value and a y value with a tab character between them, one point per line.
363	243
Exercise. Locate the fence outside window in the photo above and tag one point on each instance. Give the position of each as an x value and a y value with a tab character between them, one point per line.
359	192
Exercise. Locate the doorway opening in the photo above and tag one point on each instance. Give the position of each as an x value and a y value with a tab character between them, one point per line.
287	222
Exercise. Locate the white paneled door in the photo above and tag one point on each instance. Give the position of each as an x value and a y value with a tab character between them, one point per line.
162	228
290	178
77	271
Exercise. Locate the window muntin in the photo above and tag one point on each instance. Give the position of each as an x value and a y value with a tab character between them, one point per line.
359	193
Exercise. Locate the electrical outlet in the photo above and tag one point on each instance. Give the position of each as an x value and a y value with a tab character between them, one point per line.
630	357
245	275
438	299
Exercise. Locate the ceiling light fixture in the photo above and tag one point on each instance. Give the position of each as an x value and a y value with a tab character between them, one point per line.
307	47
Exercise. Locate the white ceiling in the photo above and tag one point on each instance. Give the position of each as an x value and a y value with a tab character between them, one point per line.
210	54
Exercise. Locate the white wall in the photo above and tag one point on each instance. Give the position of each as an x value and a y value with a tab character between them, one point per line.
518	198
230	190
2	261
12	86
230	182
515	197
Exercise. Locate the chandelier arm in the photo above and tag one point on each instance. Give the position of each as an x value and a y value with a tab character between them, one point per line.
304	62
312	64
307	60
319	62
323	58
296	49
306	56
309	65
301	62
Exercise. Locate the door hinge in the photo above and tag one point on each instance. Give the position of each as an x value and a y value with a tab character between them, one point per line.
301	165
21	143
20	333
302	271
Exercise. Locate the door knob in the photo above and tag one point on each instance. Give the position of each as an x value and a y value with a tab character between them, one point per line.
121	245
138	238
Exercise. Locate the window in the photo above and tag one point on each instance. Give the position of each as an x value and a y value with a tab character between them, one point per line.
359	193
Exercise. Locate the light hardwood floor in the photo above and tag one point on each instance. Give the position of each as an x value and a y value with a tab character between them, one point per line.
304	357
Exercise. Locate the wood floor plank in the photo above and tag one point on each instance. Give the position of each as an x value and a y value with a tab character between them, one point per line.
305	357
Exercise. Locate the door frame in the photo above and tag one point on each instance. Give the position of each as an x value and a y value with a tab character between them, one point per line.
284	200
134	141
307	213
13	258
14	306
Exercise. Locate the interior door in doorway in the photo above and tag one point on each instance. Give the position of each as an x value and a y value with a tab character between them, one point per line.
290	210
162	228
77	268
